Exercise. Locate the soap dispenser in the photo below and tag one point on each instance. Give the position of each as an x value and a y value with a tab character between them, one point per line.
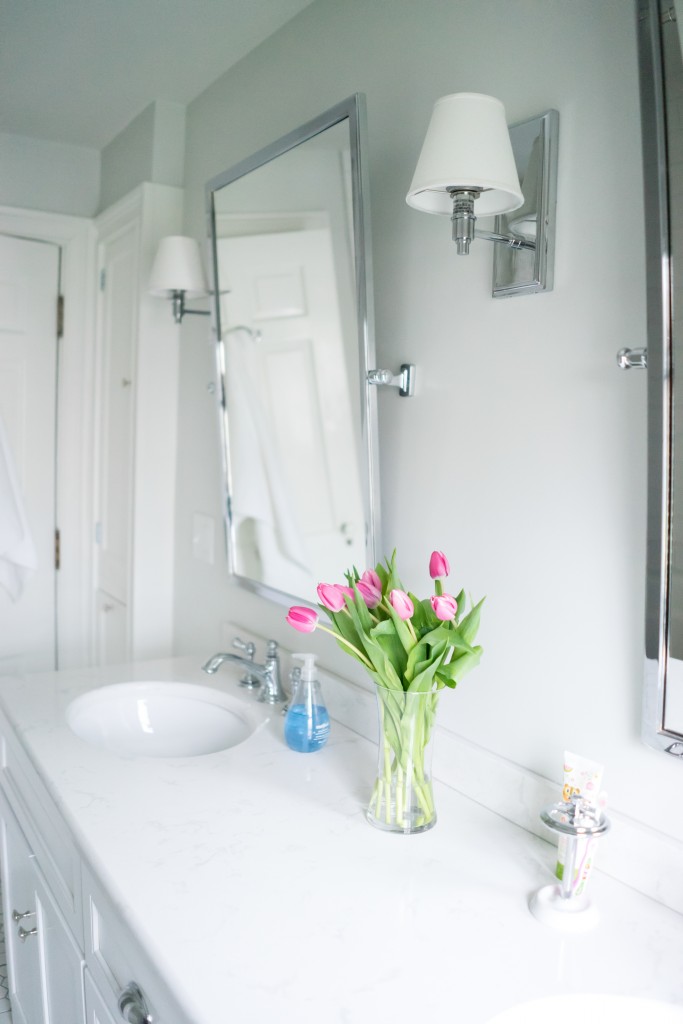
307	723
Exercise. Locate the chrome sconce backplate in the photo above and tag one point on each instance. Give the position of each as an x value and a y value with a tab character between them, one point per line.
528	269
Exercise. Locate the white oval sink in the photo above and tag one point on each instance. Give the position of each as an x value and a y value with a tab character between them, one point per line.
591	1009
159	719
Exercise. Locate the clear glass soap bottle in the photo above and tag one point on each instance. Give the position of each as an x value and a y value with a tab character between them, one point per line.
307	723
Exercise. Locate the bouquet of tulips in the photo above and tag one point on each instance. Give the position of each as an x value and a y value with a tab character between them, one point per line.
412	649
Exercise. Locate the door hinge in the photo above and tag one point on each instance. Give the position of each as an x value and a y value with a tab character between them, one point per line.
60	316
58	552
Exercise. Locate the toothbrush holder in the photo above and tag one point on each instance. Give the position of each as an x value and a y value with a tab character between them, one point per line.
565	904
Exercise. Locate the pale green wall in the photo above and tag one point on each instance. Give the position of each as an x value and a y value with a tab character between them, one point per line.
150	148
523	453
51	176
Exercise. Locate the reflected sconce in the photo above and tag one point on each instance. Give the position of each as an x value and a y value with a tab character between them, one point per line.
177	274
470	166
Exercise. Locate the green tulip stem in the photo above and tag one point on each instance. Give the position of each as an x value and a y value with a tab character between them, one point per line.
351	646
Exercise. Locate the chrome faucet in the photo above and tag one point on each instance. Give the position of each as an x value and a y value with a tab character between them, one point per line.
270	691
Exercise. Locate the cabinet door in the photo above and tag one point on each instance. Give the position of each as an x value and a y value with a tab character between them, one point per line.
23	951
61	961
96	1010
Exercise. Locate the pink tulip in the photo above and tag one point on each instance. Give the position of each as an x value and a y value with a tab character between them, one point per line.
401	603
438	565
371	577
331	596
347	590
371	595
303	619
444	606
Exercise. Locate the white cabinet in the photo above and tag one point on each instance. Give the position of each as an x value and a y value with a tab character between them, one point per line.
136	388
45	965
70	957
23	955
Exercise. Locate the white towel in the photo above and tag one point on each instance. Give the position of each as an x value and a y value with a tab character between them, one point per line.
17	551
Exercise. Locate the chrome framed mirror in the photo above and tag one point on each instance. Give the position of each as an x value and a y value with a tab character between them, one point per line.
292	284
661	91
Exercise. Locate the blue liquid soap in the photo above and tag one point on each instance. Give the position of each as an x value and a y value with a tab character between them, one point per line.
307	723
307	728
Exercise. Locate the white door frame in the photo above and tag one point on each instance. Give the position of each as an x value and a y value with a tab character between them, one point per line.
76	238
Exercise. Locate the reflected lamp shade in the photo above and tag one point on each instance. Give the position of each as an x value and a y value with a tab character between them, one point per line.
177	268
467	148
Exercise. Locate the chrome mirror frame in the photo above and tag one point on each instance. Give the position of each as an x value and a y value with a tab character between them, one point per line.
659	385
352	110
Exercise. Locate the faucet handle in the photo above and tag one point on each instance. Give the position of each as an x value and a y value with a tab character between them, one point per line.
248	648
271	649
248	679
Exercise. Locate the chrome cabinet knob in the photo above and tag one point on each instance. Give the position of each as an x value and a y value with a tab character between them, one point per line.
132	1005
18	916
24	934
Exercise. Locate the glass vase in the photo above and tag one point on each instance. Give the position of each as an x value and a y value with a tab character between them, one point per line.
402	799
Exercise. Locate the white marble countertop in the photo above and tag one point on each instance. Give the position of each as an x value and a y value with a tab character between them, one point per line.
261	892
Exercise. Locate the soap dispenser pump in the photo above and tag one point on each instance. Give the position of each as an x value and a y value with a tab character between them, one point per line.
307	723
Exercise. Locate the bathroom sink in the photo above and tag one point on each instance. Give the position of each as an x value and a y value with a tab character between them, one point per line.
159	719
591	1009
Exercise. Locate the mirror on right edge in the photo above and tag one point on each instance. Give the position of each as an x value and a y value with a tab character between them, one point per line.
661	89
293	321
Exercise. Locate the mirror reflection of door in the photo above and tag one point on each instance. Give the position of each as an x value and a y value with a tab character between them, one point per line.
29	288
297	507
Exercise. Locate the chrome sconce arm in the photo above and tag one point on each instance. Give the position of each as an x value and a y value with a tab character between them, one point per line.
180	309
464	229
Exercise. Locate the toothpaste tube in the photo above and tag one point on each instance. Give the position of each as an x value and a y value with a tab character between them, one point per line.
583	777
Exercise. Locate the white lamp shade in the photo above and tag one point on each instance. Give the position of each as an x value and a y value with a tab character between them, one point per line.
177	268
467	146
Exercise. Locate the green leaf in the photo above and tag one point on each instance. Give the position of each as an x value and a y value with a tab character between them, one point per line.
385	635
421	619
470	624
402	630
457	669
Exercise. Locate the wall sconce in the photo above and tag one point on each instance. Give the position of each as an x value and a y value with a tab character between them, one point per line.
177	274
471	164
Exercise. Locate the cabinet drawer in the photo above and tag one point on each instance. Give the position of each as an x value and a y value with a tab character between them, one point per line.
114	959
45	830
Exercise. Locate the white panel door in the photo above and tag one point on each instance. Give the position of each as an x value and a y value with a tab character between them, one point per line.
284	285
29	286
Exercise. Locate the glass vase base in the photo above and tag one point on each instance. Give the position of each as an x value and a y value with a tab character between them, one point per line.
407	829
398	807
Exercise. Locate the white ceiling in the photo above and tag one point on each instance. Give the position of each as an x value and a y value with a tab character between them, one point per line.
79	71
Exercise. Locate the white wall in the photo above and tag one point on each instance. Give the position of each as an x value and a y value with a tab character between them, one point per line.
523	453
54	177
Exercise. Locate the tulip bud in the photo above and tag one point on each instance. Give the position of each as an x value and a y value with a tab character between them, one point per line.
303	619
371	577
331	596
371	595
444	606
438	565
401	603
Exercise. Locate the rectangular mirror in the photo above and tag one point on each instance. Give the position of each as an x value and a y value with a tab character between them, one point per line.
661	89
294	339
